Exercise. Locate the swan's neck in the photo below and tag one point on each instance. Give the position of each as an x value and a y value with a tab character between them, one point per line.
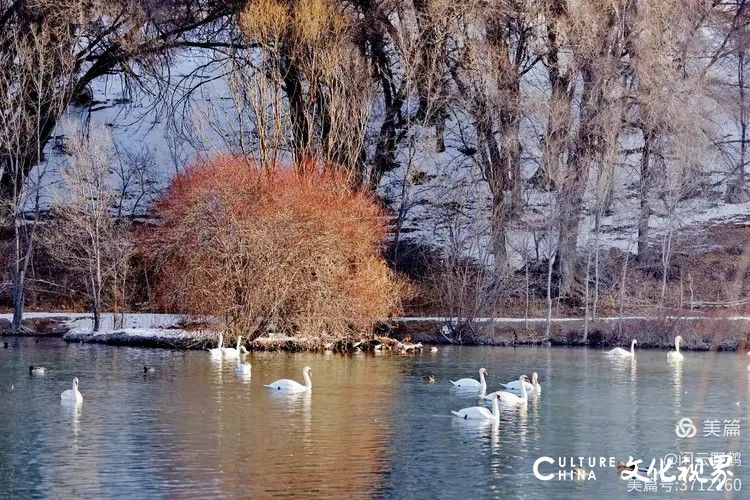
677	345
482	381
524	394
632	348
495	408
221	341
308	380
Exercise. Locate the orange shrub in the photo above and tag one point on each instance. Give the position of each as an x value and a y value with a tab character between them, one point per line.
294	251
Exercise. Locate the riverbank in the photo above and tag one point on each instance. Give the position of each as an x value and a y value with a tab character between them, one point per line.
175	338
57	324
700	333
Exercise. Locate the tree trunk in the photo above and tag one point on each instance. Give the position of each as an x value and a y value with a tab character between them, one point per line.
559	115
95	305
500	209
571	191
384	158
497	180
500	38
644	191
23	242
299	119
550	267
511	148
737	191
622	287
18	299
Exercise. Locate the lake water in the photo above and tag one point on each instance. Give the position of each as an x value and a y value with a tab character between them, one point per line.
372	427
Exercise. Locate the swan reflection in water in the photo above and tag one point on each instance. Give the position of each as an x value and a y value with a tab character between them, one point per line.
72	410
243	371
677	386
298	404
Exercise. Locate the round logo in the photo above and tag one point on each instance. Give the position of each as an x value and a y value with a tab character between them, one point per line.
685	428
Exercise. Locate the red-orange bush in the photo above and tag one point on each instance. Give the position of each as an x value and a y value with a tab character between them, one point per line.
295	251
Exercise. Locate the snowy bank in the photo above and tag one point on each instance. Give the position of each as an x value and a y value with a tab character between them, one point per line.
57	324
175	338
170	331
169	338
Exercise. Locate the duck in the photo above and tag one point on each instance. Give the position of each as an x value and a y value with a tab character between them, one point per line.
470	383
37	370
149	369
433	349
578	473
623	468
72	395
676	355
5	345
218	352
622	353
292	386
235	352
533	387
509	398
480	412
430	379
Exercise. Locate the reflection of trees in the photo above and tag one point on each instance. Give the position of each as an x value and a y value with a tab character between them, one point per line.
332	440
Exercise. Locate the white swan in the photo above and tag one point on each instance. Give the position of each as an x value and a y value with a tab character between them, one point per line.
72	395
676	355
622	353
533	387
290	386
470	383
480	412
218	352
509	398
37	370
234	352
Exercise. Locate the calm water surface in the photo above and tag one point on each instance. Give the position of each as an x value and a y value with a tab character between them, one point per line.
372	426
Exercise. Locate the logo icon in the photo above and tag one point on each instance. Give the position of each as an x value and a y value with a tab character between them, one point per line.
685	428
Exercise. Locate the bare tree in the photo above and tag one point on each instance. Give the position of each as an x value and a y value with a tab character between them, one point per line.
305	52
84	235
87	40
31	61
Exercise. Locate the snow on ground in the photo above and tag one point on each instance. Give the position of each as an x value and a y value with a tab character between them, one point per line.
85	321
144	337
138	333
146	324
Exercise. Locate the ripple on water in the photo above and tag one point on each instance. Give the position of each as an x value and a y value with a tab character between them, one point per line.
372	426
